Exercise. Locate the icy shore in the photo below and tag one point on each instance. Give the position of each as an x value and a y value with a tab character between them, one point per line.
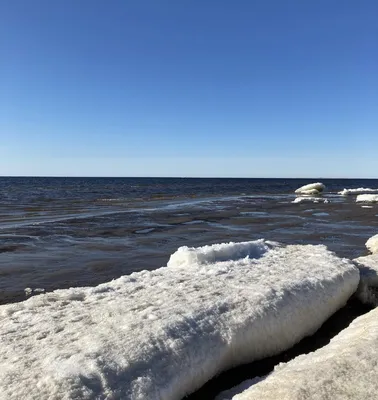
162	334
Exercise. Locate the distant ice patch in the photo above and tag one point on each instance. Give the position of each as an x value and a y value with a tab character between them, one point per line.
346	368
311	189
367	198
309	199
161	334
347	192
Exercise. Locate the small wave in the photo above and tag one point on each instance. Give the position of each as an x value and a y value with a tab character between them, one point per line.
347	192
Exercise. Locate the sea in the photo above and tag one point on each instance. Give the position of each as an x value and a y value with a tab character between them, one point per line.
68	232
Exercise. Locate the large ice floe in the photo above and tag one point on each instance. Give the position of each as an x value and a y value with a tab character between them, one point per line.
347	192
162	334
346	368
311	189
367	291
367	198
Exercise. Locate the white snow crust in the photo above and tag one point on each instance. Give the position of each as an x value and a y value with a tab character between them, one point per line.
311	188
308	199
347	192
367	198
346	368
162	334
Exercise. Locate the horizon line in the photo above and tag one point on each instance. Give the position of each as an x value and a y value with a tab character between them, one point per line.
176	177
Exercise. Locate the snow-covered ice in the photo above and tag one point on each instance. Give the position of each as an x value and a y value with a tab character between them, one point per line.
162	334
347	192
311	189
367	198
308	199
346	368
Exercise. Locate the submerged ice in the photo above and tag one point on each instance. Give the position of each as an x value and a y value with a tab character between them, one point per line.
162	334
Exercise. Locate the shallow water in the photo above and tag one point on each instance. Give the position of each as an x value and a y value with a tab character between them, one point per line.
62	232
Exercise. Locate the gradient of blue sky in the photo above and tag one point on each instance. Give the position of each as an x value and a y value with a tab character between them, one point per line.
189	88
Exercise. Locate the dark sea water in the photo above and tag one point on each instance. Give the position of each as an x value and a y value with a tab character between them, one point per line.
62	232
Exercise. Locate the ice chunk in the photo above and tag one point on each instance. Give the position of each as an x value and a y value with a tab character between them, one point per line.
367	198
367	291
311	189
306	199
346	368
186	256
372	244
161	334
346	192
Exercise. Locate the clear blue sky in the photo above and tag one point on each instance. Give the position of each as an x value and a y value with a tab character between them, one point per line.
246	88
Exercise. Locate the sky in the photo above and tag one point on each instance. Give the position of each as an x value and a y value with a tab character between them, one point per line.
242	88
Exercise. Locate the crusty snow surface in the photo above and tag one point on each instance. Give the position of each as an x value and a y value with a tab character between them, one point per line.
311	188
162	334
346	368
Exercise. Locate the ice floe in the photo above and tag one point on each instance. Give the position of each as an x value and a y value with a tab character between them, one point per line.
346	368
347	192
162	334
367	198
308	199
311	189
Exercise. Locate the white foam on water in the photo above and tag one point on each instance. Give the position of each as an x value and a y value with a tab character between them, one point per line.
162	334
346	368
347	192
311	189
367	198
